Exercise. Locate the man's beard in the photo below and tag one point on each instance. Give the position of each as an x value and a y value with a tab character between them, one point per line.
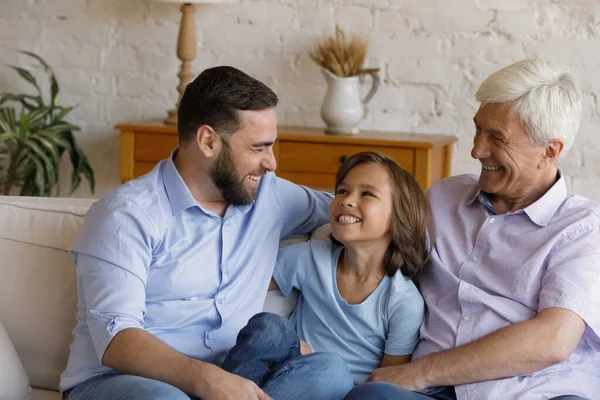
226	177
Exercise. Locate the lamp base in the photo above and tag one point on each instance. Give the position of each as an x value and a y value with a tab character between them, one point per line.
172	118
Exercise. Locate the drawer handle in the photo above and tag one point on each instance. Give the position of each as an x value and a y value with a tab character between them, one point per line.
343	159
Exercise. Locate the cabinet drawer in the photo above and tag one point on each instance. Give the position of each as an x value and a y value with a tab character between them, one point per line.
154	147
312	180
325	158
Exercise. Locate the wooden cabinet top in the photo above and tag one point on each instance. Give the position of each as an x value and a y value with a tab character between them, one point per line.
318	135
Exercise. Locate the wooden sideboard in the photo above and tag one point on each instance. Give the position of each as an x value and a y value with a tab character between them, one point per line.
306	156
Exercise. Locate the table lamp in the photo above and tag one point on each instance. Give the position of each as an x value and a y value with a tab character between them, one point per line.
186	46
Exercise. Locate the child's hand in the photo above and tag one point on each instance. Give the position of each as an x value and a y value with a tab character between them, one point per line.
305	348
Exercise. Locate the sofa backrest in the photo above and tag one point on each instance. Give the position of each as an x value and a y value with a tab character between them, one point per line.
37	281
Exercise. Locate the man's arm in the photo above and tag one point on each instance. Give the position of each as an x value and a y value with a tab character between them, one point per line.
518	349
304	209
137	352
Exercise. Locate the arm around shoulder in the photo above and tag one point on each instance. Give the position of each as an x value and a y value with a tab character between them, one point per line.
303	209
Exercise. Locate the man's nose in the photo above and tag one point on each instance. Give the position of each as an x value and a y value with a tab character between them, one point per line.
269	163
481	146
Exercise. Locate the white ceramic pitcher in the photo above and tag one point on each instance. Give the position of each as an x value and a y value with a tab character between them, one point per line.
342	108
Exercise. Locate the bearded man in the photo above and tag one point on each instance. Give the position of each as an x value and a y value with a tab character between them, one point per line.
170	266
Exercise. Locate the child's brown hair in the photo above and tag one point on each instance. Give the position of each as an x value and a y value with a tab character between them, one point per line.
411	218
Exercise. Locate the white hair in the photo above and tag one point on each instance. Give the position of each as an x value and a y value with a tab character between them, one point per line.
546	99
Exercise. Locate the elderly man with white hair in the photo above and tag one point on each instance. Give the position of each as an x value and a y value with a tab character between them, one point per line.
513	286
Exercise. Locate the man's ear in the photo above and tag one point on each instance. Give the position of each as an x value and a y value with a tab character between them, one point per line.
552	152
207	140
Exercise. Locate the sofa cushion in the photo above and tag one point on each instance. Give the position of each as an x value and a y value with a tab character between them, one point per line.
37	285
14	384
39	394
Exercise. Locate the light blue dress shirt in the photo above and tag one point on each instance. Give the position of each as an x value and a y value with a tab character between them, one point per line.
150	257
387	321
489	271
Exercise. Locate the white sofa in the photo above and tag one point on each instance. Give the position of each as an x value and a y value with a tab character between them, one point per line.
38	293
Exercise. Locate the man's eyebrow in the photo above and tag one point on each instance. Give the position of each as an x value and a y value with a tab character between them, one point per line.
265	143
492	131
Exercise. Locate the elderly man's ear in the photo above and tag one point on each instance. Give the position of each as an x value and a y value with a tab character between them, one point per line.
551	153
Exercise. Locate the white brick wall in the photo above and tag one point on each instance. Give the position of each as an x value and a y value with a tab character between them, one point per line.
116	60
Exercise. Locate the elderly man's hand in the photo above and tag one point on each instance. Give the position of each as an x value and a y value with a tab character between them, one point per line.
407	376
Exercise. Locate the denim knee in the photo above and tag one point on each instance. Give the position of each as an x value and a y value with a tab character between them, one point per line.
270	321
160	392
131	387
271	326
333	374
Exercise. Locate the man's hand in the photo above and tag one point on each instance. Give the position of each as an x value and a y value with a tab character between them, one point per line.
405	375
232	387
305	348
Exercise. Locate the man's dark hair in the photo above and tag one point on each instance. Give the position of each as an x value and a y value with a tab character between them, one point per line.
215	98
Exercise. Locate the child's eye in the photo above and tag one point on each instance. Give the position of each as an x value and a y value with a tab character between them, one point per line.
367	194
340	191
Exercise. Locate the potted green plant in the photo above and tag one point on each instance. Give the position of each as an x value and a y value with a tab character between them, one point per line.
33	137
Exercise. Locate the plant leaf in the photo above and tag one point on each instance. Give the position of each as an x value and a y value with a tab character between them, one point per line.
38	177
81	164
61	127
25	74
60	142
38	115
54	89
8	119
49	147
63	113
49	168
4	97
40	59
23	124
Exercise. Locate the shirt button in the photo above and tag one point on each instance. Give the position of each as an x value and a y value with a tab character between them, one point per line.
475	258
220	300
466	319
492	220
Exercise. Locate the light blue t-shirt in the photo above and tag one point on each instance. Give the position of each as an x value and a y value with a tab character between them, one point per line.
150	257
388	321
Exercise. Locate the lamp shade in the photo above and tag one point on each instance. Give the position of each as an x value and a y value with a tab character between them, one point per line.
196	1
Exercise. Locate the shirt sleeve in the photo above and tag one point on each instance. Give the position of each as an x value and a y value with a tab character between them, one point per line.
406	316
304	209
113	252
572	279
291	266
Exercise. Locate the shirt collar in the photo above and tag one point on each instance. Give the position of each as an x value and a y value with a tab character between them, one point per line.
540	212
179	194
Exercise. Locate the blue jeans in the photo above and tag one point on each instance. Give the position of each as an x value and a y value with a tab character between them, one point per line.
267	352
113	386
387	391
